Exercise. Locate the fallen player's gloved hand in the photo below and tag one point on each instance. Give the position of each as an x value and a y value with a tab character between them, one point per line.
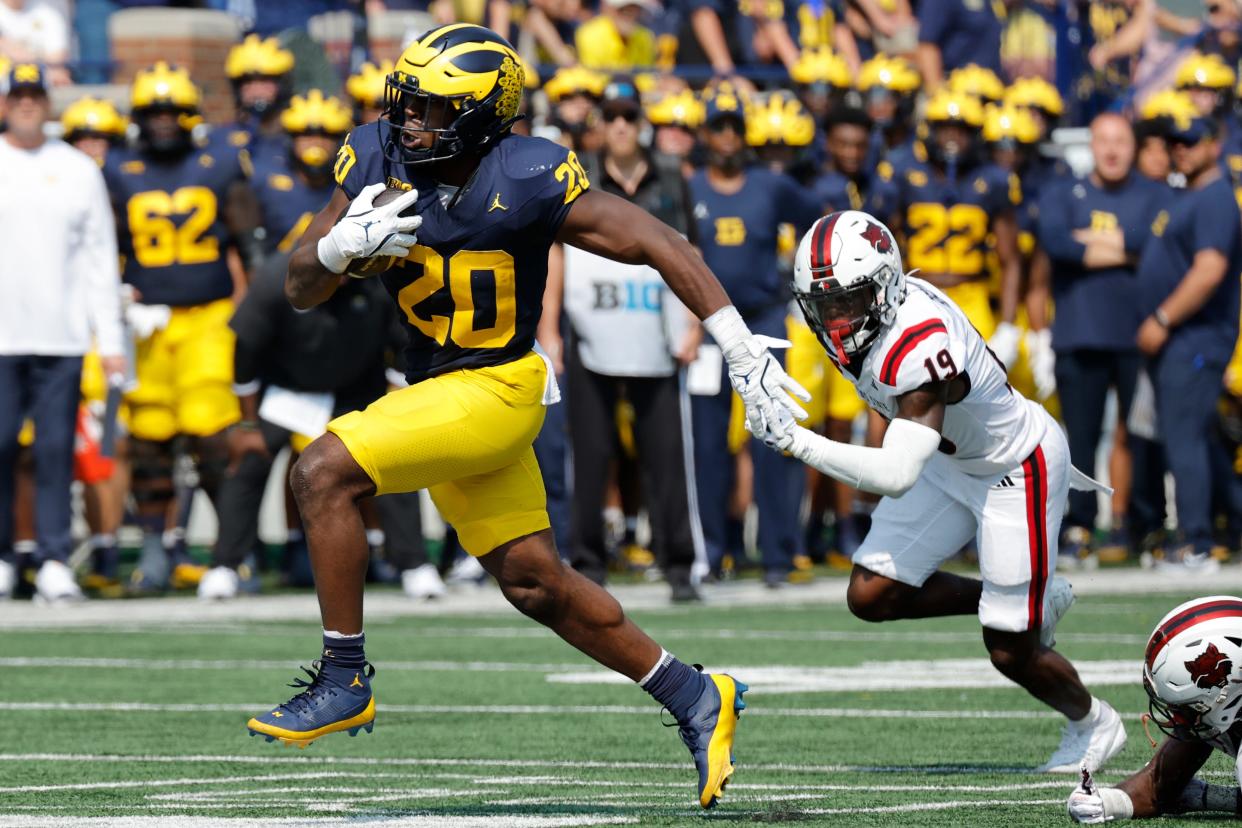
366	230
1090	804
1004	343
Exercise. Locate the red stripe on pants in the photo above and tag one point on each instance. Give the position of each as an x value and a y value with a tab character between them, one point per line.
1035	472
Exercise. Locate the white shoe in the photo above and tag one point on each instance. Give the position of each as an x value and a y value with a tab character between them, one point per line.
1185	562
1057	603
219	583
467	570
55	584
8	580
1089	743
423	582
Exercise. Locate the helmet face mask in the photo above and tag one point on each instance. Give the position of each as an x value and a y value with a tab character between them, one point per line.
164	130
1183	722
845	320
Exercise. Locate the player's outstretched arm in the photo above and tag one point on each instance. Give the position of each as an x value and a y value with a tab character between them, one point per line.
612	227
1166	785
890	470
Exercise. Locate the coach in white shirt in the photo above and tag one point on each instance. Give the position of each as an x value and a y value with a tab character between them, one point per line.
58	285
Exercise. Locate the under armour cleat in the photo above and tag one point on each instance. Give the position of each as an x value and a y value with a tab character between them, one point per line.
708	732
335	700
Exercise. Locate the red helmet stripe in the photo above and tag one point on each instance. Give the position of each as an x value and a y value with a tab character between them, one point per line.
821	243
1187	619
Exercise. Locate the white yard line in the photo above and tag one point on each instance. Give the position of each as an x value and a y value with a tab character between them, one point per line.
271	664
428	821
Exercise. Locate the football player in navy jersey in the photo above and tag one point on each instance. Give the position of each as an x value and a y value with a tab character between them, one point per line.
259	70
293	188
180	208
467	266
738	212
889	86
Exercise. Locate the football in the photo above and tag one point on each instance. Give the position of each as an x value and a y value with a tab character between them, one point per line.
374	266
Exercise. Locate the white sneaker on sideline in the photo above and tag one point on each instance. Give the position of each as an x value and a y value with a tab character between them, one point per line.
220	583
55	583
1089	743
467	570
8	580
1060	598
423	583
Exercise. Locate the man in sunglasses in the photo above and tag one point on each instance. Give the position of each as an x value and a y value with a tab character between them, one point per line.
1189	292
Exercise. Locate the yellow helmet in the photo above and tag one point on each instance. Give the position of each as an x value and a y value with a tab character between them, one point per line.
779	119
575	80
892	73
949	106
258	56
1035	93
470	71
682	109
315	113
92	116
1200	71
366	86
1009	123
163	85
1169	103
976	80
821	65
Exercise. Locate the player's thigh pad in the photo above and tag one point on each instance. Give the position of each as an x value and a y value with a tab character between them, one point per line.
912	535
1019	521
151	402
466	437
973	299
203	348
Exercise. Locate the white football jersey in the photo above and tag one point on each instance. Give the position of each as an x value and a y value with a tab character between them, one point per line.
993	428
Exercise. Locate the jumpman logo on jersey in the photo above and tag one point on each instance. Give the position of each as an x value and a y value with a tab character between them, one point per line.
496	205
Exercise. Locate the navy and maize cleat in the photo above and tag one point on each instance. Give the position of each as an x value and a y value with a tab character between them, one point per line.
335	700
708	731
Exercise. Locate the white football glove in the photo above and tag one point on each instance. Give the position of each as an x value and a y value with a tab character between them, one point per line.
367	231
1004	343
757	376
1090	804
145	320
1043	362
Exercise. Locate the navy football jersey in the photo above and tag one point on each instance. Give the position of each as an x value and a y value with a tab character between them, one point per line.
738	232
259	146
471	290
837	191
287	202
946	220
170	222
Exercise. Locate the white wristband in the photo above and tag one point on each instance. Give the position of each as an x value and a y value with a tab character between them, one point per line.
727	328
330	255
1117	804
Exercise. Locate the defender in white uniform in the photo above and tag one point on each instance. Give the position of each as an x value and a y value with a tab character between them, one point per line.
965	456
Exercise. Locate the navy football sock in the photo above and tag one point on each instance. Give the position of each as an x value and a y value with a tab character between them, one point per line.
342	658
676	685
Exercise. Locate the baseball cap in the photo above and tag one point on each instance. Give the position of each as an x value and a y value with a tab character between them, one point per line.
1192	130
26	77
621	95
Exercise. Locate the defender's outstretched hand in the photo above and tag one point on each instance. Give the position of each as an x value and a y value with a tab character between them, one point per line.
368	230
1090	804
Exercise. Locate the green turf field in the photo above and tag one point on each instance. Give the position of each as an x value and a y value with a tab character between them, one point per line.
486	719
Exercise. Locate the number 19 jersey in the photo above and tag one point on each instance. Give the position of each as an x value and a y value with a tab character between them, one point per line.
991	429
471	290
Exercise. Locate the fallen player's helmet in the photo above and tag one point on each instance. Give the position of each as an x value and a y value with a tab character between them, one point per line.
1193	668
848	280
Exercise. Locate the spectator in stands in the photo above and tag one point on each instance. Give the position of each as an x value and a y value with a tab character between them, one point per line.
628	336
60	284
724	33
260	72
954	33
1188	291
676	118
552	23
575	95
35	32
616	40
1093	230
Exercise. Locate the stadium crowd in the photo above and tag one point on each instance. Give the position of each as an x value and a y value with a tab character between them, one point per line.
738	124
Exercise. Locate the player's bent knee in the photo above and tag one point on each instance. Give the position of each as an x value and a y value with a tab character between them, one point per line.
539	602
325	472
870	597
1011	653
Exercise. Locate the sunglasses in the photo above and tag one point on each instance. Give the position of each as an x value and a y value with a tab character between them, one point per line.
630	116
722	125
1215	8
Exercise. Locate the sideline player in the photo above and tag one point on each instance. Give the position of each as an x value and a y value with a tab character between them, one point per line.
488	205
1192	673
965	457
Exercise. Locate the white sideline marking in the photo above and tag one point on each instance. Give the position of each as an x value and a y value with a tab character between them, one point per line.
431	821
878	676
271	664
931	806
531	710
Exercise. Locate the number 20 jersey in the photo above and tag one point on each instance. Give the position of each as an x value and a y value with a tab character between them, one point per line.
992	428
170	222
471	290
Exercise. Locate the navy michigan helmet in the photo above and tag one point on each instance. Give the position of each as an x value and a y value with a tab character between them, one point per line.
462	83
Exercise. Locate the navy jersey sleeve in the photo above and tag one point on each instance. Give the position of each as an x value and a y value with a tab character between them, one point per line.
1216	222
554	179
360	160
935	19
1055	229
796	205
1004	191
882	200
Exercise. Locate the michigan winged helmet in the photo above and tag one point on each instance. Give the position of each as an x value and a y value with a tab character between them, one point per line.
462	84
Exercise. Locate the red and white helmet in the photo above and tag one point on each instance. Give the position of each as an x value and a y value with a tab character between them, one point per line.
1193	669
848	280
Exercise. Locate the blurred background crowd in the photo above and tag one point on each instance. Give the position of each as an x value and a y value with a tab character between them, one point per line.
1065	171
